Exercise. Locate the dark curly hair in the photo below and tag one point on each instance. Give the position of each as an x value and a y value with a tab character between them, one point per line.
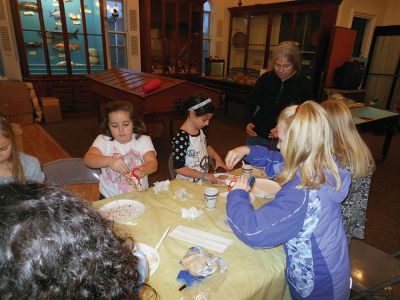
54	246
182	106
118	105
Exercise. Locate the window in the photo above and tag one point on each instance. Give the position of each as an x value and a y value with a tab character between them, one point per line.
117	33
206	35
359	24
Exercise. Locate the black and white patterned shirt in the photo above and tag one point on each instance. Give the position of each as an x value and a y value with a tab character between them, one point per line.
190	151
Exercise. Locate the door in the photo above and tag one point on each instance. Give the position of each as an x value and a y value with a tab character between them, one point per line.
383	69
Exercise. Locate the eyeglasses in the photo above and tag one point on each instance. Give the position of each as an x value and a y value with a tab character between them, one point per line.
283	67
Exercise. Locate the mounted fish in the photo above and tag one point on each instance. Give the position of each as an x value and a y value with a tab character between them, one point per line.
52	34
60	46
33	44
55	14
64	63
29	6
75	17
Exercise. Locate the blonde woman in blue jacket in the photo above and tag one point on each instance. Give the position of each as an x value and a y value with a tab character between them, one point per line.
305	215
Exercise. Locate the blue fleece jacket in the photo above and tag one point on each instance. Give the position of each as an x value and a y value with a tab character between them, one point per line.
308	223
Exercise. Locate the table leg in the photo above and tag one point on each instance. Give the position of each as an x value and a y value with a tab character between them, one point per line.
386	144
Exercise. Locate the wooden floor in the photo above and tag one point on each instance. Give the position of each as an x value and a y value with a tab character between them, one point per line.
37	142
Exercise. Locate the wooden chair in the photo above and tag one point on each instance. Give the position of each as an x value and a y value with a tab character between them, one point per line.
75	176
373	271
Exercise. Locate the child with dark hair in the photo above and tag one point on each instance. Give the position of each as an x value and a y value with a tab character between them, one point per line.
190	148
54	246
121	150
14	165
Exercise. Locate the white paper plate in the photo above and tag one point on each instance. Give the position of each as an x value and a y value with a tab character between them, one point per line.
153	258
122	211
265	188
252	196
223	182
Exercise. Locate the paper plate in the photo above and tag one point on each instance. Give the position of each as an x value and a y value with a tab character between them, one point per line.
252	196
153	258
265	188
223	178
122	211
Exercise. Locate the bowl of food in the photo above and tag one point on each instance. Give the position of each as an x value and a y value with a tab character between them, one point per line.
122	211
223	178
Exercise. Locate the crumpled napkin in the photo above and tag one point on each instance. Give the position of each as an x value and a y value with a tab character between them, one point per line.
191	213
182	194
161	186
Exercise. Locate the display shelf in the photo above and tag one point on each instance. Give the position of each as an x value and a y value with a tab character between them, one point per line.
260	28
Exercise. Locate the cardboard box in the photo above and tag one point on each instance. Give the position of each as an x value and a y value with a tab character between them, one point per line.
15	102
51	109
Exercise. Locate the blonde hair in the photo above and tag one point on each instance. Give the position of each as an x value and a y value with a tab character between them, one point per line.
349	147
308	147
16	168
288	50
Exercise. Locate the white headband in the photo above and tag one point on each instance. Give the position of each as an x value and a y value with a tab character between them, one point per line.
198	105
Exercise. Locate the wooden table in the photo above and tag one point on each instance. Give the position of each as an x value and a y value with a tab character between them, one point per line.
153	107
371	119
37	142
251	274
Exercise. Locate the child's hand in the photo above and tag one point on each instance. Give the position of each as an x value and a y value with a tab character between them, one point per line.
139	171
235	155
273	134
241	183
118	165
211	178
219	163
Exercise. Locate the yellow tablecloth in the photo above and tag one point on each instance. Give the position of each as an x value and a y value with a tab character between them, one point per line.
251	274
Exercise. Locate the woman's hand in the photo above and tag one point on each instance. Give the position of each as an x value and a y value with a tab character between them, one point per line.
250	130
241	183
235	155
118	165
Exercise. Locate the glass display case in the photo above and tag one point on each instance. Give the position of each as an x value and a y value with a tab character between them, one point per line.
257	29
59	37
171	36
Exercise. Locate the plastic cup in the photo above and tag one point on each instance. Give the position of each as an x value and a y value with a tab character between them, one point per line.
210	197
247	170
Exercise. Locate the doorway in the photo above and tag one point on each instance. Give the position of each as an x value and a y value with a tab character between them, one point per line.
383	69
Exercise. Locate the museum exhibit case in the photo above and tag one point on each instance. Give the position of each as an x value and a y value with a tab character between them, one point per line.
59	42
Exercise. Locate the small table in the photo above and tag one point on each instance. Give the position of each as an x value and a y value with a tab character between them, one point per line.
251	274
371	118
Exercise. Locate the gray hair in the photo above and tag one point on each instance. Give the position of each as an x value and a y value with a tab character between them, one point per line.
289	51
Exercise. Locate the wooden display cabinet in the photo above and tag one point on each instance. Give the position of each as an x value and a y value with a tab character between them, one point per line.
255	30
59	42
171	36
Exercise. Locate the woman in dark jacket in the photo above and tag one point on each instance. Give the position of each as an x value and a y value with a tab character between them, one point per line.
284	85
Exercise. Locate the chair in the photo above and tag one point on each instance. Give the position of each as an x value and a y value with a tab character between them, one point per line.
75	176
211	164
373	271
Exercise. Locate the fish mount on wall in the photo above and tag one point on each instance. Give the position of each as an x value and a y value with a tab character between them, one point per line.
53	34
33	44
28	6
60	47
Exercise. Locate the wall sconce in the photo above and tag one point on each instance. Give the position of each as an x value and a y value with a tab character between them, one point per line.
114	16
240	3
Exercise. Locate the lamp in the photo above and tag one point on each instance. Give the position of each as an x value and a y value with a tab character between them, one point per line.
240	3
